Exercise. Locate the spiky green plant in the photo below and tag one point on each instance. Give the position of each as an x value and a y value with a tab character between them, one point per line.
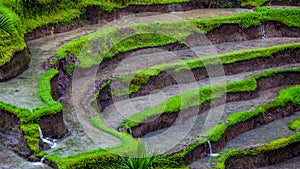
140	159
6	24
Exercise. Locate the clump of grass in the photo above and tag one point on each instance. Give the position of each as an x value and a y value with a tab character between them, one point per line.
140	159
295	124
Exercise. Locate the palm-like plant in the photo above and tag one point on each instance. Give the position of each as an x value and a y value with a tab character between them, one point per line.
6	24
141	159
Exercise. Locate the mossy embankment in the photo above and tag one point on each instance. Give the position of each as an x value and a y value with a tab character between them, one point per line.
128	38
109	157
284	105
48	117
157	77
259	156
48	16
167	112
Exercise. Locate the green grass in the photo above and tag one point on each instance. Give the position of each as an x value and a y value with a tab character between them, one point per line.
32	136
163	33
197	97
12	41
254	3
295	124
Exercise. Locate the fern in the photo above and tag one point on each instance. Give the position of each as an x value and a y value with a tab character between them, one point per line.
6	24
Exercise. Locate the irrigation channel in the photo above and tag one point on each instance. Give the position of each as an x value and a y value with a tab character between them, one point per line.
22	92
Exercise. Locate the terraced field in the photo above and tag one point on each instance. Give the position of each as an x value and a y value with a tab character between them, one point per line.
207	88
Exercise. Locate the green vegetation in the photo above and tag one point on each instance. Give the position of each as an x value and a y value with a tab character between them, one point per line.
6	25
295	124
192	99
11	35
254	3
32	136
141	159
274	145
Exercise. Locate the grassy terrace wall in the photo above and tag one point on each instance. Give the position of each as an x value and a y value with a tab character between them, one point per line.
275	152
25	123
184	155
166	33
166	113
286	104
160	76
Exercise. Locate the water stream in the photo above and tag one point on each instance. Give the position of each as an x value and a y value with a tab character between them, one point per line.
51	142
263	31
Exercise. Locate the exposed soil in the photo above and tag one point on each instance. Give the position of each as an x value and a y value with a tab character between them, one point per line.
11	135
283	3
17	65
53	126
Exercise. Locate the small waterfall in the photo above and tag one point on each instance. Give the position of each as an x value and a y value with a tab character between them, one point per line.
130	132
211	154
40	163
173	8
263	31
47	140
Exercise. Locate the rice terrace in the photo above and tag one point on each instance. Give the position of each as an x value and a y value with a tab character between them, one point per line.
141	84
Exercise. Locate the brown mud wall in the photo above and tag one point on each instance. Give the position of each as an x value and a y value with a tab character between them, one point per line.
17	65
11	135
283	3
168	119
233	32
53	125
264	159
